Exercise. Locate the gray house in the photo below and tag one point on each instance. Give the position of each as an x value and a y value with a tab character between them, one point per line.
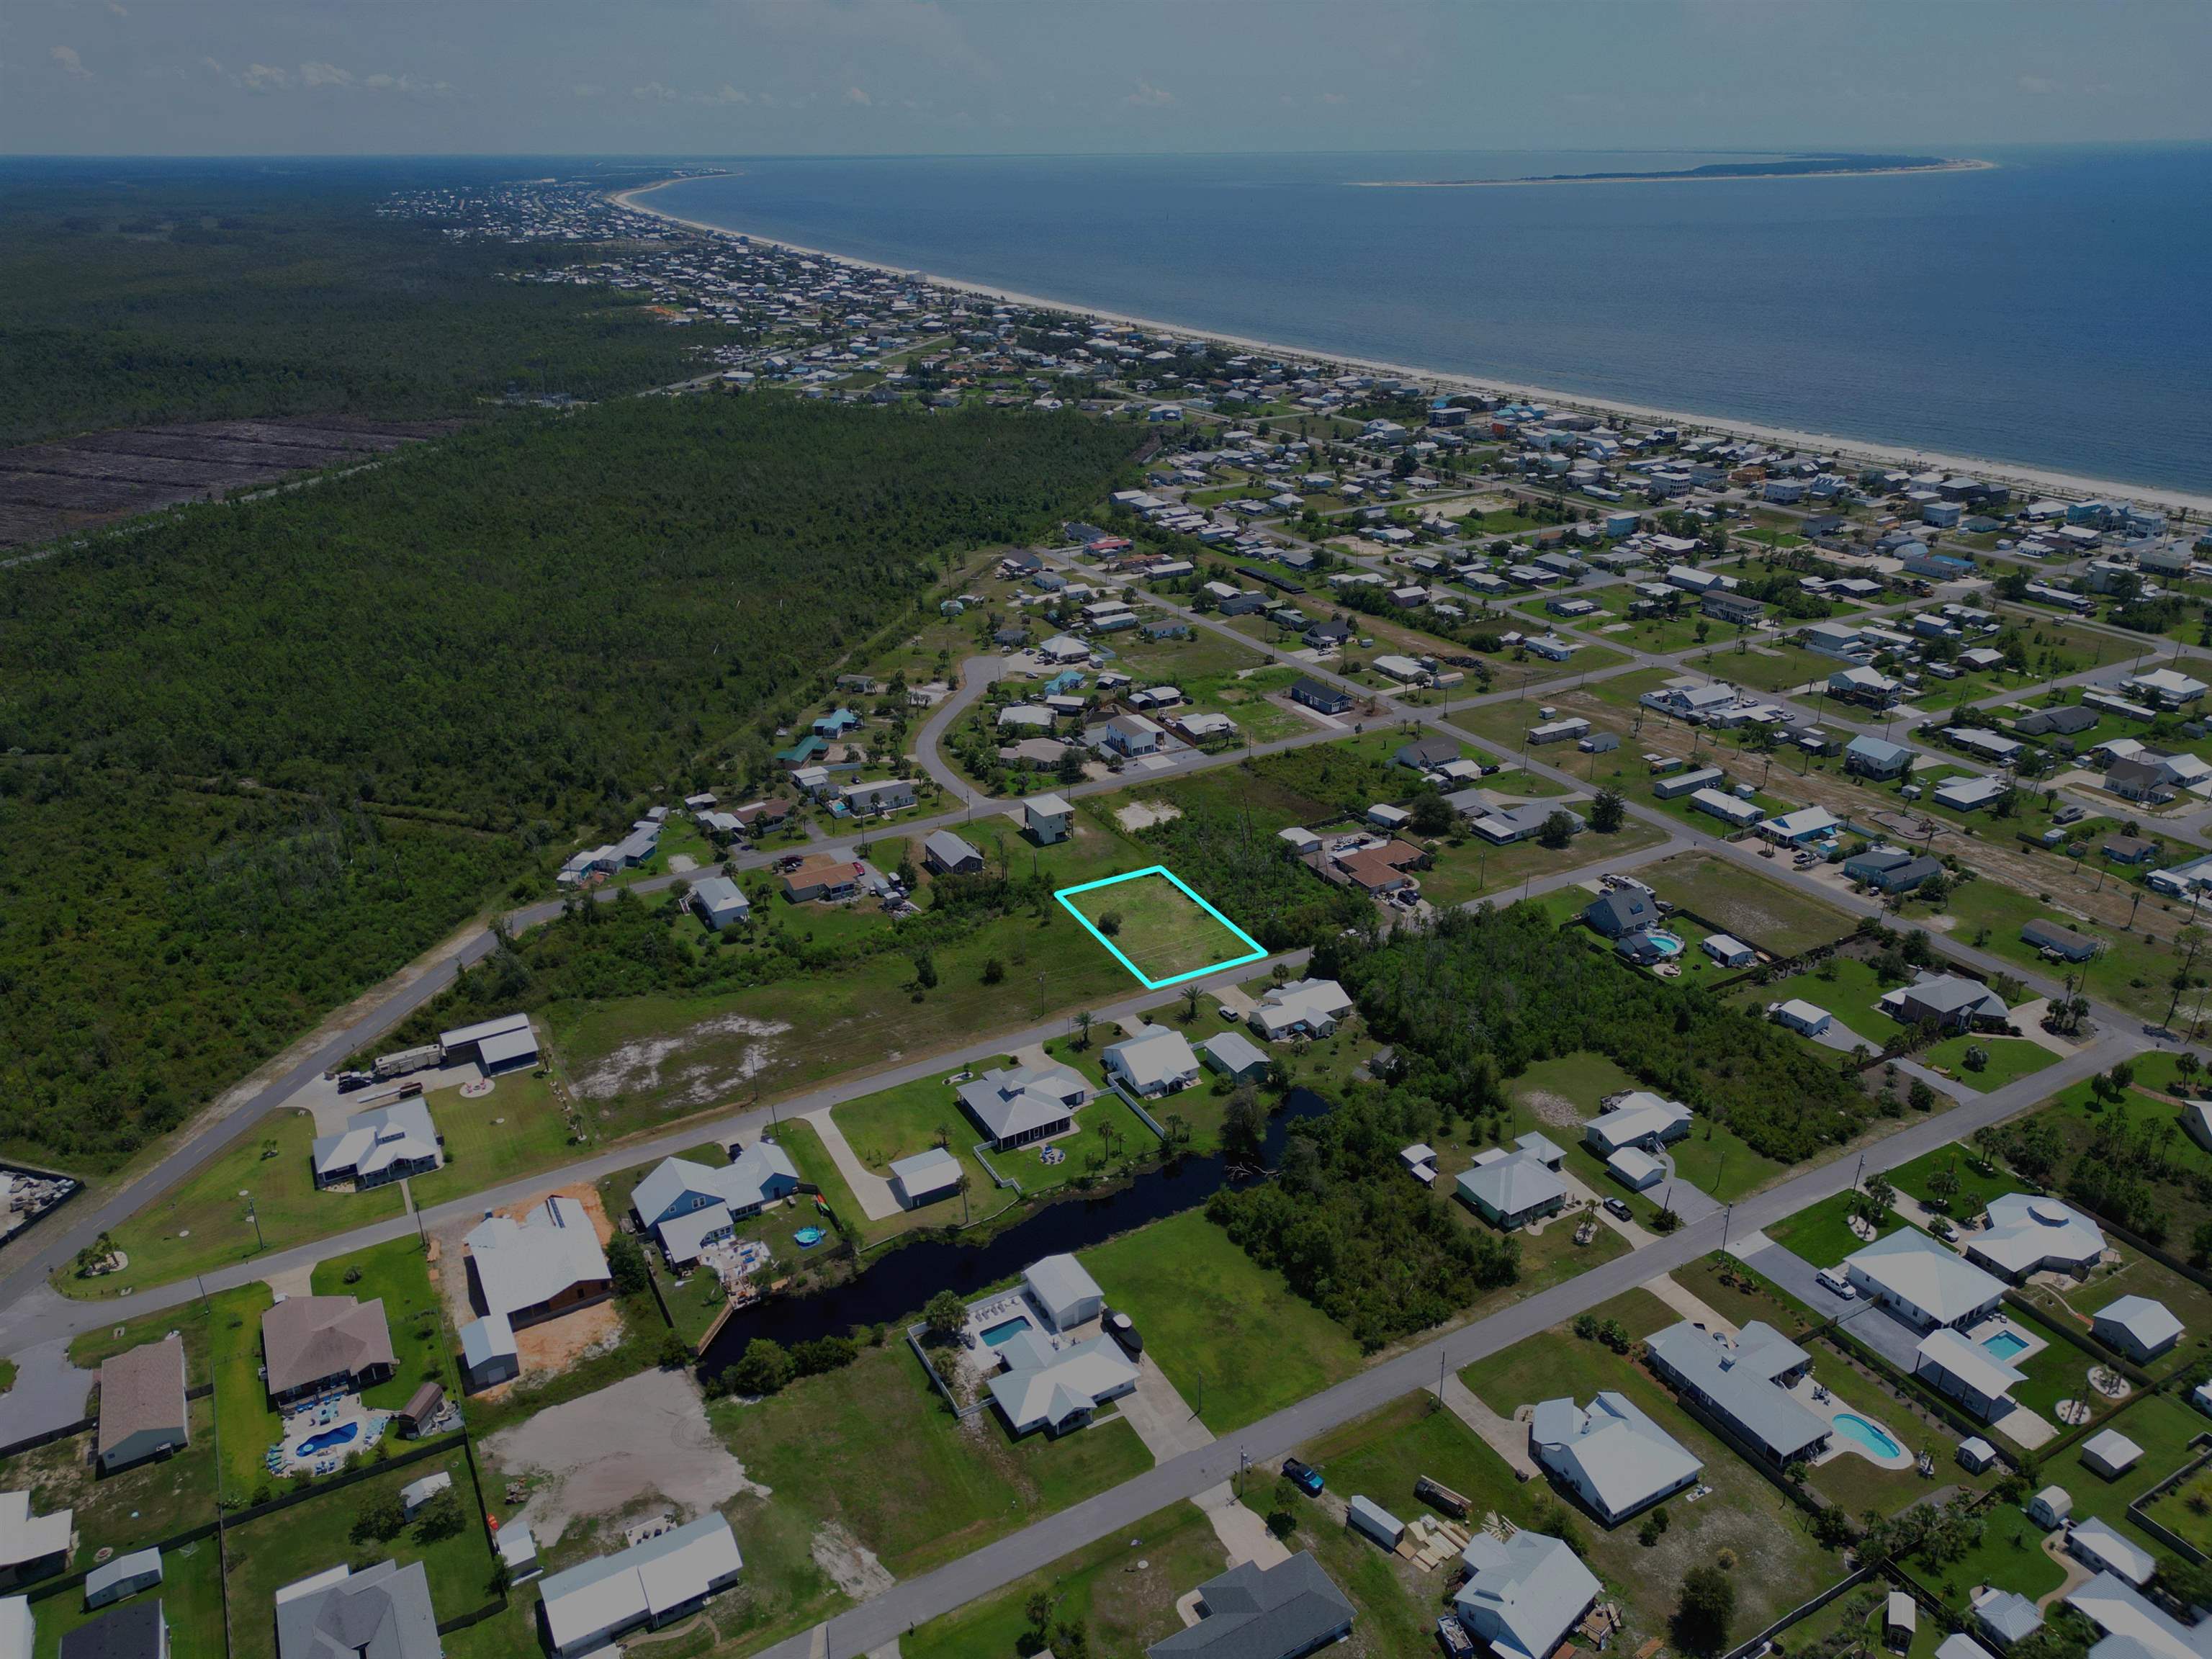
142	1404
1250	1611
382	1612
126	1575
946	854
2062	942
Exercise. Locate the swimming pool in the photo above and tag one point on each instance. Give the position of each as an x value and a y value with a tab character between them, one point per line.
328	1439
808	1236
2004	1345
1871	1436
1005	1331
1668	943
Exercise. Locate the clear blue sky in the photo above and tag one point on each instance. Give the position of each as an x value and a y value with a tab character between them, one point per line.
893	76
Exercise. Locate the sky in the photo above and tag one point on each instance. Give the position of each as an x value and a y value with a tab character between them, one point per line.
738	78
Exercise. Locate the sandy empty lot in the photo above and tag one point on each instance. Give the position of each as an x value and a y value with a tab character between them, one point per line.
645	1438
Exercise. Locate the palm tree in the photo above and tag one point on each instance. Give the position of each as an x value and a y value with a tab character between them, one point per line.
1082	1023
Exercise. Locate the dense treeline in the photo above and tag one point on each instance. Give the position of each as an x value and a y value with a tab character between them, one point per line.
531	621
1251	875
197	292
156	943
426	670
1379	1254
1478	996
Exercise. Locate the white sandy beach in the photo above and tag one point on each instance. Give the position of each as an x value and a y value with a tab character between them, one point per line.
2034	480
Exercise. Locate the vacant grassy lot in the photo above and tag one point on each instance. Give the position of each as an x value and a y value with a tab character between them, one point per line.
2006	1060
1821	1233
1758	912
873	1449
1122	1591
1165	932
1229	1334
518	1129
201	1223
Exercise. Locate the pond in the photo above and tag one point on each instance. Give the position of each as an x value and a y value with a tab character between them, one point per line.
904	1278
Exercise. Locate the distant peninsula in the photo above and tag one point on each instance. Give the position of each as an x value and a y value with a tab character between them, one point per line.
1785	167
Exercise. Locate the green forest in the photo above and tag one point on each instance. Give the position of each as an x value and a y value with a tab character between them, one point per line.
182	292
259	756
1478	996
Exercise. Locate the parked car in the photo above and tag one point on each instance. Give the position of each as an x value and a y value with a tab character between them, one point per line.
1831	1279
349	1081
1124	1331
1618	1208
1306	1478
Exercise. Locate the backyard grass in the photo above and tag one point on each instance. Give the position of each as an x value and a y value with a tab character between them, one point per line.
1121	1605
1165	933
1763	913
1974	1180
1844	986
1230	1335
192	1605
201	1222
191	1321
397	1272
874	1448
2074	1304
898	1122
265	1554
132	1508
247	1426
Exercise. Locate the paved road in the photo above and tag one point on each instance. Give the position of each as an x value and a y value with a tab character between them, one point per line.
1117	1512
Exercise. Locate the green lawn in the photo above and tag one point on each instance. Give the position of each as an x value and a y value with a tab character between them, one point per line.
1821	1234
201	1223
518	1129
266	1554
874	1449
1161	929
1229	1334
1120	1590
1845	987
398	1273
2007	1060
1758	912
882	1129
243	1417
1963	1162
192	1321
1472	868
191	1604
2134	970
1713	1158
2134	1275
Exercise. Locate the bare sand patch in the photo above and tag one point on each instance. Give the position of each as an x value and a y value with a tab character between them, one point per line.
852	1566
1556	1110
654	1063
1143	814
645	1439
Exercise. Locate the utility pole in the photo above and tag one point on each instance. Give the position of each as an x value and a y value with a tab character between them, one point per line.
254	1216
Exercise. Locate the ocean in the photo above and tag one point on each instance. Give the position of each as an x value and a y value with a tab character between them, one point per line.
2047	312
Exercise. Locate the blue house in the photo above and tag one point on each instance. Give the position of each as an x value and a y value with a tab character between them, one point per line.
805	752
1875	757
836	723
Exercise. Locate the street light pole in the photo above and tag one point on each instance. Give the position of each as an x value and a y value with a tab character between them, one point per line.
253	1215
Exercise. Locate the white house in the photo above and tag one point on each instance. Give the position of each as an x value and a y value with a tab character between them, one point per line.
650	1584
1063	1291
1304	1008
1021	1105
2025	1235
1046	1387
719	901
1047	818
1613	1456
925	1177
1637	1119
1156	1061
1968	1372
1805	1019
1522	1595
1923	1283
2111	1454
1728	950
381	1146
1512	1190
2139	1327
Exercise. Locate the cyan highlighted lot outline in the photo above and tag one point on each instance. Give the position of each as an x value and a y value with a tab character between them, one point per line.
1254	952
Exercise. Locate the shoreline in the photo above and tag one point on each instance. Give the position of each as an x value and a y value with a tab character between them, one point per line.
1960	165
2012	472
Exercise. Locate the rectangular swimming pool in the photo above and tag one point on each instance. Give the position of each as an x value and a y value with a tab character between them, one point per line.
2004	1345
1005	1331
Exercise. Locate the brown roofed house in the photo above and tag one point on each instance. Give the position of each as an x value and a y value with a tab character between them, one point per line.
315	1342
142	1403
1382	869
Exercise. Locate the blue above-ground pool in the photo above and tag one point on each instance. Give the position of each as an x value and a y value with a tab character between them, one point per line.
1669	944
1005	1331
808	1236
1871	1436
328	1439
2004	1345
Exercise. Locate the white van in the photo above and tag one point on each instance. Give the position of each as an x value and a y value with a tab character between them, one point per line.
1831	1279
